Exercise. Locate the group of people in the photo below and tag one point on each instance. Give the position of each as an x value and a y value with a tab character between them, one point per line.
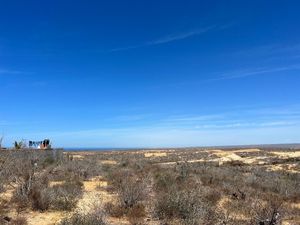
40	144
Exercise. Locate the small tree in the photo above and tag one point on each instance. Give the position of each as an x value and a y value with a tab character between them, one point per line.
20	144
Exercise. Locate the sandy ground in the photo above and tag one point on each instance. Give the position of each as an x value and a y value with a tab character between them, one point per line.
287	154
155	154
230	156
108	162
95	188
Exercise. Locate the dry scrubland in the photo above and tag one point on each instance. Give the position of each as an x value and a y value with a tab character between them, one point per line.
182	186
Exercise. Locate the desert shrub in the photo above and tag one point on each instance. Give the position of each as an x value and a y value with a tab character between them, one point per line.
49	160
32	192
212	196
184	170
19	221
131	190
115	210
283	184
3	207
23	170
234	163
267	213
96	216
84	219
136	214
40	199
76	169
65	196
185	205
39	196
21	195
163	180
130	187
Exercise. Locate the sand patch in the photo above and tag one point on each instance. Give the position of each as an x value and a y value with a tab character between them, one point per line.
91	186
108	162
48	218
260	160
228	156
181	161
291	168
93	195
287	154
225	156
155	154
53	183
291	222
7	194
78	157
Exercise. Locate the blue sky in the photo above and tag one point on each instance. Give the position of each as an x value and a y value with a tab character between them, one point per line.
150	73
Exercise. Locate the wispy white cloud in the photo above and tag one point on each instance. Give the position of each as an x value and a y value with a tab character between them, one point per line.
234	74
252	72
34	84
195	118
161	136
9	71
4	123
247	125
173	37
234	126
269	49
181	36
131	117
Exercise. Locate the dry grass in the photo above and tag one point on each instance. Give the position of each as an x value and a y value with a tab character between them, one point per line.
182	186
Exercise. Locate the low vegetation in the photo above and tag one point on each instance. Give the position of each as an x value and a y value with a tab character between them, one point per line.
178	187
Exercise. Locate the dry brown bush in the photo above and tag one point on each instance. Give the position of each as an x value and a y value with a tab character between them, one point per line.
185	205
84	219
19	221
76	169
114	210
96	216
65	196
267	213
131	188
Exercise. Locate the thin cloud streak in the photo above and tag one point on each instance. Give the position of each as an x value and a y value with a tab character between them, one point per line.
237	74
248	73
5	71
229	120
181	129
176	37
268	50
8	71
195	118
172	38
148	130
